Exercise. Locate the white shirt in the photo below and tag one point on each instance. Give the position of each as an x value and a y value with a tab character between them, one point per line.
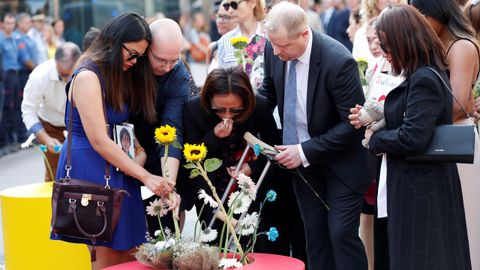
226	56
44	96
302	69
42	47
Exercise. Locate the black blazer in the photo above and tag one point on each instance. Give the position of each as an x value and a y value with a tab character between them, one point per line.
333	88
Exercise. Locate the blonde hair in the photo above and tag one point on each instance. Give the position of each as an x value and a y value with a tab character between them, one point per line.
287	15
369	9
259	10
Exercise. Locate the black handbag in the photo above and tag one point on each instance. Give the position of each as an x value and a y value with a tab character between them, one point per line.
82	209
449	143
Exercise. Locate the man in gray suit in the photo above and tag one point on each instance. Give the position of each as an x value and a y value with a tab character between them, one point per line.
314	81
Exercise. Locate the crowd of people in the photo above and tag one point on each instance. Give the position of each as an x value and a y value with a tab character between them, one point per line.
348	198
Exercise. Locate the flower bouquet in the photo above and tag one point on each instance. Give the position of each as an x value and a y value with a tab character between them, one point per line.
233	253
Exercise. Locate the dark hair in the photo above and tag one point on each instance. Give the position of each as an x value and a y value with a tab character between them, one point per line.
90	37
136	87
124	132
411	46
472	11
448	13
224	81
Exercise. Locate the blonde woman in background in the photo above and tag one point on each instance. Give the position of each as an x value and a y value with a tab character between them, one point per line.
49	36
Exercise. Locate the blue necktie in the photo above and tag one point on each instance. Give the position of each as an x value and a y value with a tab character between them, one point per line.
289	106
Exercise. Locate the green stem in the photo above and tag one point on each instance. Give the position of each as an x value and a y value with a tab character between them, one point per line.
196	223
313	190
161	228
222	209
46	161
170	196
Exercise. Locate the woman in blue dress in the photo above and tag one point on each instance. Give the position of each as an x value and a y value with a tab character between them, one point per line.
112	69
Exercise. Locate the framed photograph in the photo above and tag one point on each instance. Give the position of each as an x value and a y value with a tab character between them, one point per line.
124	137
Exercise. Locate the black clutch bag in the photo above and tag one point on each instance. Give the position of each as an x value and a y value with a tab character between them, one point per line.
449	143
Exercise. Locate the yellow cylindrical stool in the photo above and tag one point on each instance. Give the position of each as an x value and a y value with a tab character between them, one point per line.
26	213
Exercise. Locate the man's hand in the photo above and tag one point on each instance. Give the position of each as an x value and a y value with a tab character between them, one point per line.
44	138
289	156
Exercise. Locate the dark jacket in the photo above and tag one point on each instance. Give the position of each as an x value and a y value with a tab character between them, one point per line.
426	220
333	88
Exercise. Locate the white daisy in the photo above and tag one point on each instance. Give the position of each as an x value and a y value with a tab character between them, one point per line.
247	185
248	224
207	199
157	208
229	263
208	235
239	202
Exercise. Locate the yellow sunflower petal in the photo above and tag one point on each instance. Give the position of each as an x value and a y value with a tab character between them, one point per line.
165	134
194	152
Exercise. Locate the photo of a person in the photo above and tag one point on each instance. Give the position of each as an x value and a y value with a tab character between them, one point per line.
125	141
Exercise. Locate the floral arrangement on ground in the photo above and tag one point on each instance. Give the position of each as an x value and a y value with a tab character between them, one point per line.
166	249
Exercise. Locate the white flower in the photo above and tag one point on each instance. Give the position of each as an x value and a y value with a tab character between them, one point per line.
28	142
157	233
229	263
160	245
239	202
157	208
170	243
208	235
248	224
207	199
247	185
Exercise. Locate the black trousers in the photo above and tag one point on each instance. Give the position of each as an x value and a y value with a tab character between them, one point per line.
332	235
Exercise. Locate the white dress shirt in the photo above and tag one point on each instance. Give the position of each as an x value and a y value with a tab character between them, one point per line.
302	69
44	96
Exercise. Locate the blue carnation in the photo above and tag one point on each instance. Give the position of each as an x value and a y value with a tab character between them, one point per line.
43	147
272	234
256	150
57	148
271	195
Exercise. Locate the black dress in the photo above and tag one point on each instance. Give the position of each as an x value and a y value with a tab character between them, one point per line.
426	220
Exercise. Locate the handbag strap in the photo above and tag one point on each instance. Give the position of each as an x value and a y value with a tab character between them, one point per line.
68	164
451	92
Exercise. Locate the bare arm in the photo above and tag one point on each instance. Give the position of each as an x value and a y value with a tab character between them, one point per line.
463	65
87	98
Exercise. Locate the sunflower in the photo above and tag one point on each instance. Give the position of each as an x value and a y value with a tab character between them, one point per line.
239	42
194	152
165	134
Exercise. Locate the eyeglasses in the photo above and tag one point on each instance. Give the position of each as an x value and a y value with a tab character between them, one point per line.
222	18
233	4
131	55
165	62
225	110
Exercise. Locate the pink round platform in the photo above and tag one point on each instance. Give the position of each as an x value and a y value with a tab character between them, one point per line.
262	261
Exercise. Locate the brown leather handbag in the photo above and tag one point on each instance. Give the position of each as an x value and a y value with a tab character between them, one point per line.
82	209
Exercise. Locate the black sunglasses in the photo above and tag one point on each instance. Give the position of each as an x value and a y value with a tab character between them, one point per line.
231	110
233	4
131	55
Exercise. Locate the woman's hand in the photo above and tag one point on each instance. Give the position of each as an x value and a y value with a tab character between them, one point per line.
354	117
159	185
245	169
173	201
368	133
224	128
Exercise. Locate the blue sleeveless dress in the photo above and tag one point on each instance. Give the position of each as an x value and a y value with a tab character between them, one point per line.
87	164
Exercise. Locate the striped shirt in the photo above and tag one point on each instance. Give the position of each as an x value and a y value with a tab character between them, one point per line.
226	57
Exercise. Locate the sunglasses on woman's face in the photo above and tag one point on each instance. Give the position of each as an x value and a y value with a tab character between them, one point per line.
131	55
233	4
230	110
